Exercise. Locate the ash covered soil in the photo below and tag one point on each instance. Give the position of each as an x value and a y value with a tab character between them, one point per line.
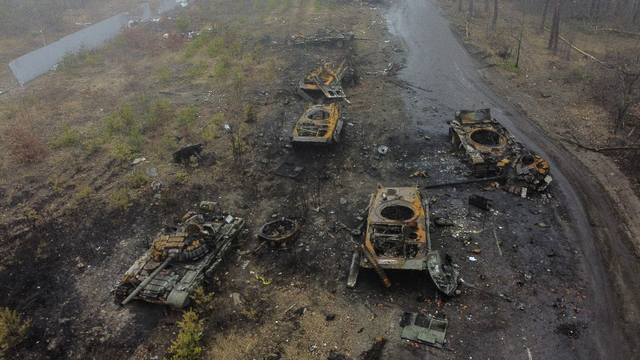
533	293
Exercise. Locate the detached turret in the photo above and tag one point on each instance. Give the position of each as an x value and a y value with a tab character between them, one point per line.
179	259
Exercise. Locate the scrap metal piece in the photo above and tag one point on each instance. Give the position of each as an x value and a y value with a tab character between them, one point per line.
325	79
443	273
288	170
179	259
319	125
279	232
480	202
186	152
323	36
425	329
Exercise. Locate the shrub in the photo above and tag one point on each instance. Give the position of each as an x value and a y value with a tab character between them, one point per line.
202	301
139	179
13	329
510	66
164	76
196	71
120	199
182	24
68	138
24	144
187	115
83	193
185	347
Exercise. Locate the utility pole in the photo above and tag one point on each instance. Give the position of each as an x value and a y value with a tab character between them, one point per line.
43	42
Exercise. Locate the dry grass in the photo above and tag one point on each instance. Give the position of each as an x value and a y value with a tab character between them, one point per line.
24	143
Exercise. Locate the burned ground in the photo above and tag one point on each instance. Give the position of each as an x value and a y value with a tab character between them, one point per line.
528	290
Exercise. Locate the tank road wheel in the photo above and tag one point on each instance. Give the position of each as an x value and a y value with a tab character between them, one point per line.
340	43
122	291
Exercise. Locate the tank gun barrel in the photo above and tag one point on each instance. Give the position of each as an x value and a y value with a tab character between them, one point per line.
462	182
149	279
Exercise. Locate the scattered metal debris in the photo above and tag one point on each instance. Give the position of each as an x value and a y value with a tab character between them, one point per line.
443	272
323	36
325	79
424	328
280	232
185	153
480	202
319	125
288	170
179	259
397	237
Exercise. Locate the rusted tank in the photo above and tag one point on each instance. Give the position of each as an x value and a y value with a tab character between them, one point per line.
481	141
397	237
319	125
180	258
325	80
491	150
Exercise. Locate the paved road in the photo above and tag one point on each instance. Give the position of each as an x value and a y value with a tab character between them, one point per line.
449	78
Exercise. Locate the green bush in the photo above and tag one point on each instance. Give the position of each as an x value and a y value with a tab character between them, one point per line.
139	179
185	347
188	115
68	138
196	71
120	199
13	329
182	24
164	76
202	301
510	66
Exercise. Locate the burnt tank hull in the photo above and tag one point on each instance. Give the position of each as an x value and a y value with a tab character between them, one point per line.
179	260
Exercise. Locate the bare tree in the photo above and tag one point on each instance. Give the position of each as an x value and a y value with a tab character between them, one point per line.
555	28
617	87
494	22
544	14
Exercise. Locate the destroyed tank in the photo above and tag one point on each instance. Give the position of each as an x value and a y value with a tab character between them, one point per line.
491	150
180	258
397	237
319	125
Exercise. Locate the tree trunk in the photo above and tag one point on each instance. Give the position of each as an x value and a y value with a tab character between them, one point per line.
555	28
459	5
486	6
471	8
495	15
544	14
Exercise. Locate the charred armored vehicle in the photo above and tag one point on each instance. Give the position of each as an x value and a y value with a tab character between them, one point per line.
325	80
180	258
323	36
319	125
396	237
481	141
491	150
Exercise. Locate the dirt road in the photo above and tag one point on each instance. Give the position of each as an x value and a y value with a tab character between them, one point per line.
438	63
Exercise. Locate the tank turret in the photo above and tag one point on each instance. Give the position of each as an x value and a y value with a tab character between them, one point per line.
179	259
